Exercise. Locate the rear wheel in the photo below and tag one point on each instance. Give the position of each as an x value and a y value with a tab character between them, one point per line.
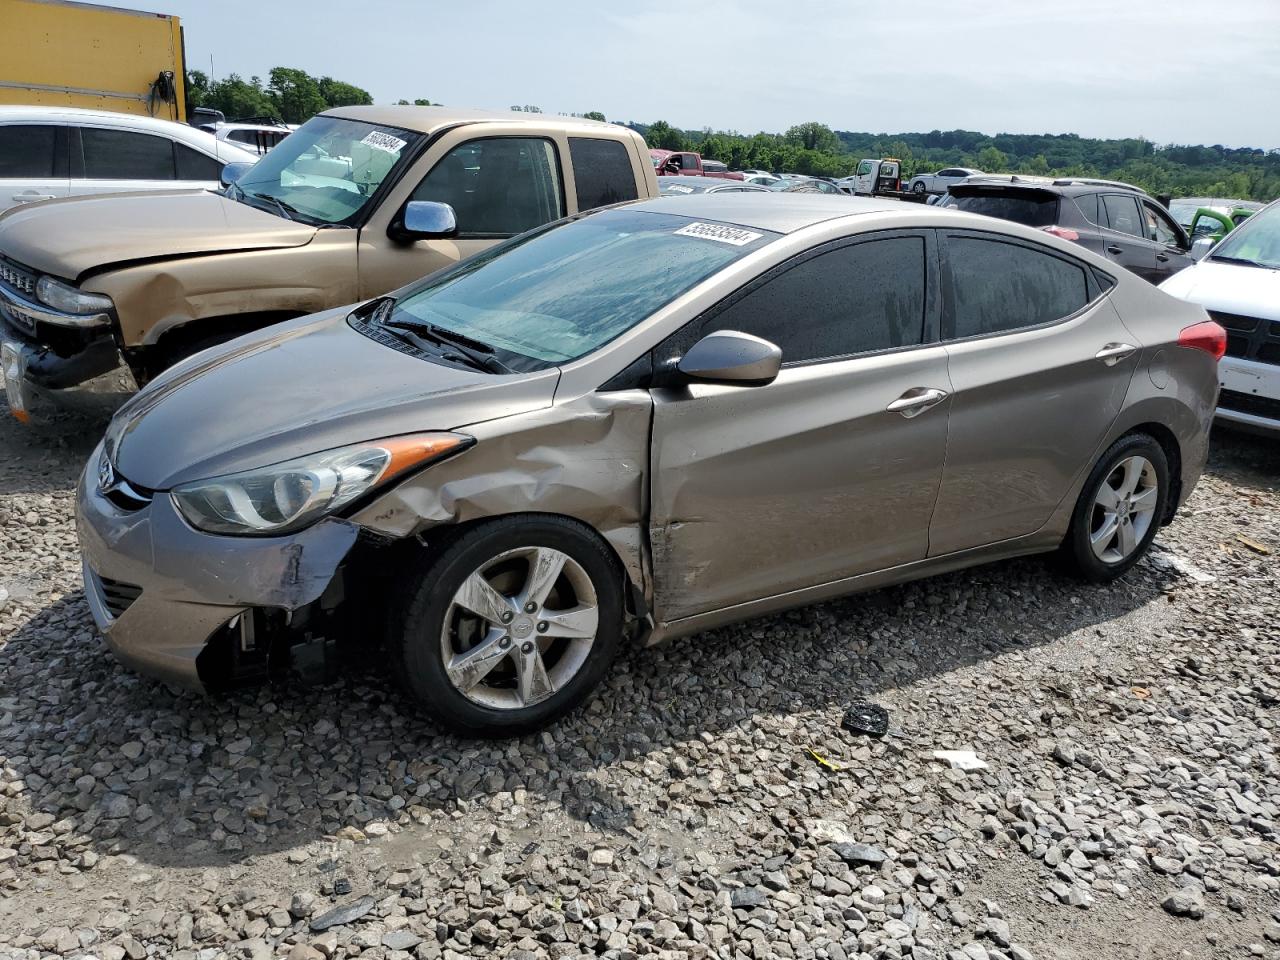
511	626
1119	510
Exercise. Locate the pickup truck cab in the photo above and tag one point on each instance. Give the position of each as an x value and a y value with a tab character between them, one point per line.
669	163
99	294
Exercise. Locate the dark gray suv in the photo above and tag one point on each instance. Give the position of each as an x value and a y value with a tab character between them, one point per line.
1114	220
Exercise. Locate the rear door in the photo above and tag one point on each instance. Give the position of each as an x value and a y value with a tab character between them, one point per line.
33	163
1039	364
1125	240
758	491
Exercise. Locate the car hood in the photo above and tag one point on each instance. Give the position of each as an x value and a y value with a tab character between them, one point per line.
1228	288
68	238
308	385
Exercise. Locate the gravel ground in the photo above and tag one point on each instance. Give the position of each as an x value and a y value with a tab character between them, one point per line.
1126	802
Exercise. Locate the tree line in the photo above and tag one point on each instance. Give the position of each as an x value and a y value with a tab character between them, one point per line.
1175	169
1179	170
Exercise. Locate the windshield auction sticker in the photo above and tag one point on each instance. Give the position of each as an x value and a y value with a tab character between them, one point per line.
384	141
720	233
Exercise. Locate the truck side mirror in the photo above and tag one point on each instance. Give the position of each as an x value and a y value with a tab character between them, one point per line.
423	220
234	171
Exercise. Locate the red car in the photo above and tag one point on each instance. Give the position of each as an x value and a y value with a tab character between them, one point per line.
669	163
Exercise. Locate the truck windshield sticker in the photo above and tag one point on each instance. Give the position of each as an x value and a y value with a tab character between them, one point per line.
720	233
384	141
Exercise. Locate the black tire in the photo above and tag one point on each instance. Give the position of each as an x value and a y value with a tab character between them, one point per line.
918	187
1077	550
414	637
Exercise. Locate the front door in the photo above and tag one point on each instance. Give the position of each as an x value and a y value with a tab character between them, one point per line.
1040	363
758	491
499	184
1125	241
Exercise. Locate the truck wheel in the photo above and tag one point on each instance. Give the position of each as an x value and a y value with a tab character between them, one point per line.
918	187
510	627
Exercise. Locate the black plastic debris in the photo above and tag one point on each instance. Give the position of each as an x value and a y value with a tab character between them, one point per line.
343	914
868	719
859	854
341	887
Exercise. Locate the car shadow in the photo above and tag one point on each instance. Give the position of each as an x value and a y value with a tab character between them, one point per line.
178	779
46	456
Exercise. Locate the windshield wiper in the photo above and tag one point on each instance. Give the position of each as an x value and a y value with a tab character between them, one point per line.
479	355
1242	261
287	211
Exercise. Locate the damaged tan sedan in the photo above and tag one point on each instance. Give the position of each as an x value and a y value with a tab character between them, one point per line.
636	424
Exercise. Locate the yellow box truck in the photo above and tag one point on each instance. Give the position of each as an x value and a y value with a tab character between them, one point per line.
59	53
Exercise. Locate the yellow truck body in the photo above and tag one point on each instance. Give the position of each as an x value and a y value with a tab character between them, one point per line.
59	53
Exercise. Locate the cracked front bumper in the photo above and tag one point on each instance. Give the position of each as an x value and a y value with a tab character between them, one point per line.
159	590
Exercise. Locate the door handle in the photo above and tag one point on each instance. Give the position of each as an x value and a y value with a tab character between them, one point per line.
1112	248
916	401
1113	353
30	197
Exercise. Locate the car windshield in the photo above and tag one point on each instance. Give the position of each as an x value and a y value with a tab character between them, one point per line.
326	171
1256	241
1032	210
557	294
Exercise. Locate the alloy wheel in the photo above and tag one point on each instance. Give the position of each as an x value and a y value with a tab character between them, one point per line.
1123	509
519	628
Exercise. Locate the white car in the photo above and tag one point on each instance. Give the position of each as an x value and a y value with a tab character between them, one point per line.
1238	282
257	138
51	152
938	182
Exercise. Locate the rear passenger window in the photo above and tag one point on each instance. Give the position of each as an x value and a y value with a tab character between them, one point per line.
1088	204
497	187
996	287
602	172
855	299
194	165
125	155
27	151
1122	214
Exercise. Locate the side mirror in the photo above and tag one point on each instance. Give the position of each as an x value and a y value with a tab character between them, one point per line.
424	220
234	171
730	357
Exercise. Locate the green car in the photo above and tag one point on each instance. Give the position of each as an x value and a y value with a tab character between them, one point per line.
1208	219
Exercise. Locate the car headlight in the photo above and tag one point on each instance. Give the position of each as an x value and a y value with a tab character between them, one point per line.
287	496
69	299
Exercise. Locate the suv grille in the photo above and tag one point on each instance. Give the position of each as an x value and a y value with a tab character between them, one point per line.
18	277
118	597
1250	338
1249	403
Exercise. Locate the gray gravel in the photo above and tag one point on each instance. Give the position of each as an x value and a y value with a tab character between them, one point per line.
1128	806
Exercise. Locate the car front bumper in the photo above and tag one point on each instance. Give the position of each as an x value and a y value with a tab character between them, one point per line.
1250	393
160	590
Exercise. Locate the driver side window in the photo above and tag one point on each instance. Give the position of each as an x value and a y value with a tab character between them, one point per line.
498	187
1159	228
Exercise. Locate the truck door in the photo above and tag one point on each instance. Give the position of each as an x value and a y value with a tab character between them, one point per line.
865	173
500	181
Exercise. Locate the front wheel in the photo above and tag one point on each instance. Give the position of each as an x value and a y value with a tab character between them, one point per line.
511	626
1119	509
918	187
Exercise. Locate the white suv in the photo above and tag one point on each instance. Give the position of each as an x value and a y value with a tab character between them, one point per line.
257	138
1239	284
50	152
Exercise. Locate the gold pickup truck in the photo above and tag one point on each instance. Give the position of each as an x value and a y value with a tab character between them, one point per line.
98	294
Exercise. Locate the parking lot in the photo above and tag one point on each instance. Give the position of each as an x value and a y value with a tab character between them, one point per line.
1127	805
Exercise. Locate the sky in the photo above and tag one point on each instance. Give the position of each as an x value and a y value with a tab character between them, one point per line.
1173	71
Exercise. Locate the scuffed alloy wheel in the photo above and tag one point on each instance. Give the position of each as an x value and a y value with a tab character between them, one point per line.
511	625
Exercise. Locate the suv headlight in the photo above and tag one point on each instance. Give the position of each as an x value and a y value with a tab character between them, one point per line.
287	496
69	299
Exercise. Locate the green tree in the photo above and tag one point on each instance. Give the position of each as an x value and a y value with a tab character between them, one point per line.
296	94
337	93
594	115
991	160
662	136
814	136
527	108
233	95
421	102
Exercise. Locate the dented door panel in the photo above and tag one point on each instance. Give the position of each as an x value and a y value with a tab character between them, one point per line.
759	491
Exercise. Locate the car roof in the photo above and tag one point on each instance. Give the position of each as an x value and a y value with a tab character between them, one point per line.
1065	186
431	119
170	128
776	212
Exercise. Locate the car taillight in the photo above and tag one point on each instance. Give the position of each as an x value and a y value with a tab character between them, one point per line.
1206	336
1066	233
